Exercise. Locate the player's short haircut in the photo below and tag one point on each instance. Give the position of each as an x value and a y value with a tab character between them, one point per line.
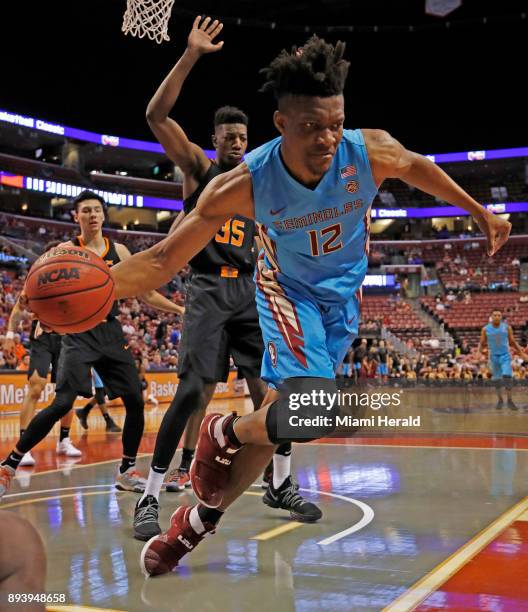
88	195
316	69
230	114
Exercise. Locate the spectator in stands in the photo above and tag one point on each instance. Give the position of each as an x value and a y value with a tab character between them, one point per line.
359	354
23	365
369	366
515	261
155	365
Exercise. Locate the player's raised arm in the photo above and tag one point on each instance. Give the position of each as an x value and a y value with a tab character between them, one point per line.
187	155
226	195
389	159
16	316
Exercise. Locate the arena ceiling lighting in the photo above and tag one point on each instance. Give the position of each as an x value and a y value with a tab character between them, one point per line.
57	188
154	147
441	8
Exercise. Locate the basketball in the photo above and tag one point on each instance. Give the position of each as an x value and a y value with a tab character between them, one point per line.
70	289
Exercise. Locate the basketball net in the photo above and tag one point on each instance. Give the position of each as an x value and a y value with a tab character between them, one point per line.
148	17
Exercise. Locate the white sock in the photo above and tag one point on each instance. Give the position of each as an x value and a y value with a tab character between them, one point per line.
281	469
196	521
154	483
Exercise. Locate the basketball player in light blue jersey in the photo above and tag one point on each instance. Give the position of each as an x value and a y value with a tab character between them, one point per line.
99	400
497	339
310	191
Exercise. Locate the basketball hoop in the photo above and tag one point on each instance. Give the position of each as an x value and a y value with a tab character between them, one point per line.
150	17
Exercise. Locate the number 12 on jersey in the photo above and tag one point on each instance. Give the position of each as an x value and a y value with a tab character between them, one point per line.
232	232
324	241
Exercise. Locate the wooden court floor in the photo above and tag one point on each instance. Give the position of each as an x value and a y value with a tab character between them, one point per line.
425	522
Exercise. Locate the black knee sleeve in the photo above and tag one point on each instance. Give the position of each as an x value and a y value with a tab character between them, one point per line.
188	398
134	423
507	382
306	410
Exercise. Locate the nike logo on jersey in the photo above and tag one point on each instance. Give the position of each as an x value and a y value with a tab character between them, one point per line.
276	212
223	460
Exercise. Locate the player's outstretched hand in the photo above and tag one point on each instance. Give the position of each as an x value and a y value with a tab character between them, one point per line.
203	34
496	230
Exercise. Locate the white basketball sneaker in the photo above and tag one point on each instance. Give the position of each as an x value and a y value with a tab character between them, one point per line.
27	460
65	447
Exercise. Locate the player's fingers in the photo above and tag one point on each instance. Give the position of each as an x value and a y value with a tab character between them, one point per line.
205	23
218	46
217	30
211	28
196	22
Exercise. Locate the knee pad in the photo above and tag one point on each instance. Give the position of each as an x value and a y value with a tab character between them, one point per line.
306	410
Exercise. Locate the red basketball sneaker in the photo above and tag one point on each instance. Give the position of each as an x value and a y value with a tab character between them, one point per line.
162	553
212	460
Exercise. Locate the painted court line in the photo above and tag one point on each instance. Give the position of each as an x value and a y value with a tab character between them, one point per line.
41	499
368	515
70	495
432	581
39	492
276	531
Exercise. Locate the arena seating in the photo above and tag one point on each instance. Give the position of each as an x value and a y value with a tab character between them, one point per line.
465	320
398	317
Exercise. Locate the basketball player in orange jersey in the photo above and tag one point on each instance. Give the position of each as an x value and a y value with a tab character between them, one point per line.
103	348
220	305
44	354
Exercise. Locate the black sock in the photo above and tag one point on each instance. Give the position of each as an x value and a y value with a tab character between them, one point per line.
230	433
22	431
209	515
89	406
126	463
107	417
284	449
64	433
13	460
158	470
187	457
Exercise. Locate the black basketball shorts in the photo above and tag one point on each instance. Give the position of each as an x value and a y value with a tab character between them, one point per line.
103	348
220	320
44	351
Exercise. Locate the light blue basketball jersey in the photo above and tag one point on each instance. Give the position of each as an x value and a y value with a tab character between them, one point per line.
315	241
497	338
